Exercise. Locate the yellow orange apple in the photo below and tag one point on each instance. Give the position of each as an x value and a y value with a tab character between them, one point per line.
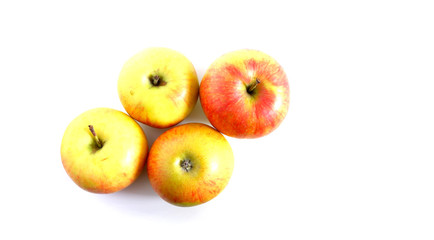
103	150
190	164
158	87
245	94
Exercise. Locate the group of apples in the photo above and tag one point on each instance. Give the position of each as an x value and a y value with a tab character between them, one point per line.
244	94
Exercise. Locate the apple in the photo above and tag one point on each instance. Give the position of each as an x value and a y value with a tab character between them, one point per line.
103	150
158	87
190	164
245	94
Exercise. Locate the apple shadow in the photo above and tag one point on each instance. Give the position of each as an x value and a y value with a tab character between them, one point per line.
140	187
152	133
197	115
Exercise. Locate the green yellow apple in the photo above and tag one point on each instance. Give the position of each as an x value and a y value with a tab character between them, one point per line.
190	164
158	87
103	150
245	94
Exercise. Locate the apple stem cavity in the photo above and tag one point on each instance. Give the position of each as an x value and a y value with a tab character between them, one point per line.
95	137
155	80
252	86
186	165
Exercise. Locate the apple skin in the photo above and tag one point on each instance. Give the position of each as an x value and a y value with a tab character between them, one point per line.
163	105
211	159
117	163
229	106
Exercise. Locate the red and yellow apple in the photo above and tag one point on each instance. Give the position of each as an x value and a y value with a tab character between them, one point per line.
158	87
245	94
103	150
190	164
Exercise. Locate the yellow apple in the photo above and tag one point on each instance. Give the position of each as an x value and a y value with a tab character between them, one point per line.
190	164
103	150
158	87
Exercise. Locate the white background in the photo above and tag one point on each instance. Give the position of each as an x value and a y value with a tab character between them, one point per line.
352	160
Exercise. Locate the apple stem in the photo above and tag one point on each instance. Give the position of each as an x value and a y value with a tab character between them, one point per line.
253	85
97	141
155	80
